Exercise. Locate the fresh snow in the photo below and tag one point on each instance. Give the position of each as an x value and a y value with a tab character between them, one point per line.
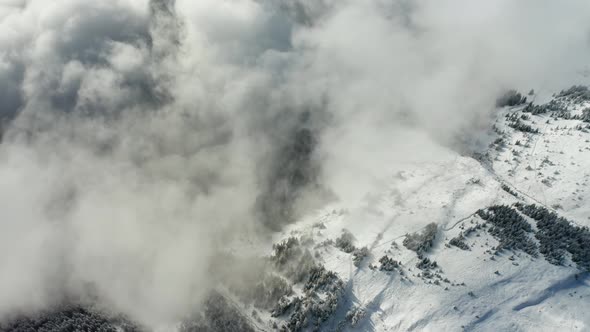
511	291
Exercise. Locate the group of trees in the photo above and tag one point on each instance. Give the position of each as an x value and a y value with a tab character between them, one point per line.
345	242
426	264
292	260
509	190
69	319
423	241
322	297
359	255
576	93
511	98
388	264
517	124
510	228
553	106
355	315
321	279
459	242
285	251
585	116
310	312
558	236
557	107
323	289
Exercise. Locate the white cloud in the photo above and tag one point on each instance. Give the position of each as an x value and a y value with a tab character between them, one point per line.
141	140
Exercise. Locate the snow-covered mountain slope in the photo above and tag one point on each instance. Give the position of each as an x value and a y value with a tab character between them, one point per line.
489	242
552	165
491	283
476	290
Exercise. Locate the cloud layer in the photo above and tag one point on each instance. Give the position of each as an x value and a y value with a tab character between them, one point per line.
141	137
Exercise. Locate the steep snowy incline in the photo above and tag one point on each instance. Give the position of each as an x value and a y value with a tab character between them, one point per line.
471	289
544	151
471	275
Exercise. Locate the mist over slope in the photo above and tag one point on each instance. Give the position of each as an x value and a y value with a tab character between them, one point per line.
142	139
